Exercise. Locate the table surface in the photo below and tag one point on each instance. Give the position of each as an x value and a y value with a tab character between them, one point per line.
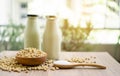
113	67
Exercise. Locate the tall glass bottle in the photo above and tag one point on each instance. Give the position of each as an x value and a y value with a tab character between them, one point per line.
52	38
32	33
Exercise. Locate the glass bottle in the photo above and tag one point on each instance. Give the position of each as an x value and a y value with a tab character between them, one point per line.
52	38
32	33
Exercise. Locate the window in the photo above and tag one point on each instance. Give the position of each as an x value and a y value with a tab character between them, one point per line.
96	21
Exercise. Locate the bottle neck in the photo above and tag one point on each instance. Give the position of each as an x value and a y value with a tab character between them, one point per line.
51	24
32	21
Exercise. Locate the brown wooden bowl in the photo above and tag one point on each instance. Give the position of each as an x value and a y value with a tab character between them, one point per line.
31	61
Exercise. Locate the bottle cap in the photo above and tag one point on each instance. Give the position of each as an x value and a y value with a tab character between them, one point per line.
32	15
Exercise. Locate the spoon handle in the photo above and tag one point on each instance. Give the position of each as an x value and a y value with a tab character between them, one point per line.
88	64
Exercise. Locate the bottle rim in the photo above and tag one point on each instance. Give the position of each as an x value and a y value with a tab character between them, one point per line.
51	16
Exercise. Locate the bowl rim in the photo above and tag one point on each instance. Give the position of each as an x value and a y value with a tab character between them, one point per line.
31	57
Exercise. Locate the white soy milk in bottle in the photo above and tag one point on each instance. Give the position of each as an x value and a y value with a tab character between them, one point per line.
32	33
52	38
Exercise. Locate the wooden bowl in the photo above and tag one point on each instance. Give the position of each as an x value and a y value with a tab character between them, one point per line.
31	61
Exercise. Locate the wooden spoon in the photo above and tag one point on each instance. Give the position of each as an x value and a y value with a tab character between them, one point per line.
66	65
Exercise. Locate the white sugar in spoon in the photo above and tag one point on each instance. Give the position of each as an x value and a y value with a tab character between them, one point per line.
66	65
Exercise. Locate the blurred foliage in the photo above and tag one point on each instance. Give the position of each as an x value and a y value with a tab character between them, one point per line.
11	37
112	5
74	37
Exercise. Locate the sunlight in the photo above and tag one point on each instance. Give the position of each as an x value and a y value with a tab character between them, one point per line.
78	12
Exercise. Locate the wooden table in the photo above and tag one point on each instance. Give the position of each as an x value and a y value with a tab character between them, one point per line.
113	67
